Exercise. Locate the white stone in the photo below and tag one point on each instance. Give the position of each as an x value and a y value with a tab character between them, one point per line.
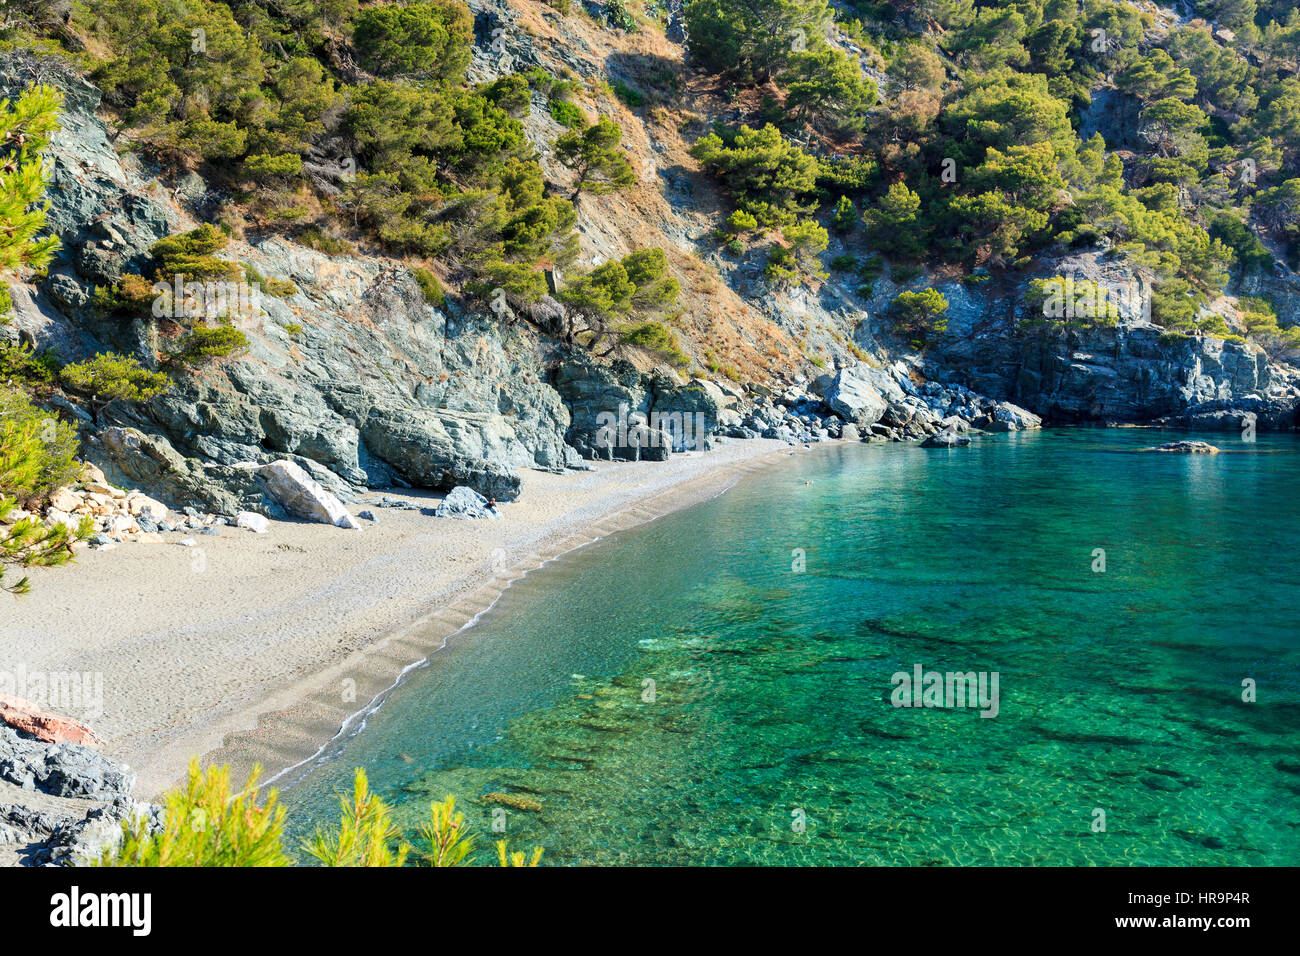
253	522
63	499
302	496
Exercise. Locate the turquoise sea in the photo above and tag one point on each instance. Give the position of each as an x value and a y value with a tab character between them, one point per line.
768	736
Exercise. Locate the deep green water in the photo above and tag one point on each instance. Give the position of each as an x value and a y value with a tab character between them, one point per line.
1119	691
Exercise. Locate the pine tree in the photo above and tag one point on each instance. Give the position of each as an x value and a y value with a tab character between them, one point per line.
25	130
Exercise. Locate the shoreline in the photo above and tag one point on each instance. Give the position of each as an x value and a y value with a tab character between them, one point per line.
273	655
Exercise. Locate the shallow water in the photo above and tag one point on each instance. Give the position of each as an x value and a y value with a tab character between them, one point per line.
1119	690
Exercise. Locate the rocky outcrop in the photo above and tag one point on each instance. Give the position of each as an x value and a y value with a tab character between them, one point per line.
854	394
619	412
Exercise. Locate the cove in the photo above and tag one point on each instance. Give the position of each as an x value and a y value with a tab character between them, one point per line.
680	693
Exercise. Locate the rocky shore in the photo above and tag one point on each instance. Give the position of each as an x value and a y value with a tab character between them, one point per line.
61	801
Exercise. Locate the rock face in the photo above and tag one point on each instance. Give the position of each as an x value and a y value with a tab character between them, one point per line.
61	770
465	502
379	388
621	413
1133	371
302	497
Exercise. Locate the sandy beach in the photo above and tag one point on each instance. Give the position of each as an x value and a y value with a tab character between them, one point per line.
255	648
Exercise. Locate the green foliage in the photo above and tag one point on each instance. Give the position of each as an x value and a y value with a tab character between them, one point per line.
189	255
448	841
25	129
767	176
518	858
109	377
919	316
638	285
752	41
1262	327
430	287
23	365
567	114
366	835
795	258
845	216
825	86
426	39
206	825
313	237
892	223
628	95
207	343
594	155
657	338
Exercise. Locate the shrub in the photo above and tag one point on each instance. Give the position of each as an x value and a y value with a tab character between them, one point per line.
629	96
448	840
265	166
429	286
313	237
919	315
657	338
594	154
567	114
206	343
205	825
109	377
366	835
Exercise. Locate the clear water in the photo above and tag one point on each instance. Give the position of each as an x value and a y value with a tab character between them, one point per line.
1120	691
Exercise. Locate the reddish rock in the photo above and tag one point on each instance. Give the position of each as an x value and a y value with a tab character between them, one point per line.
43	725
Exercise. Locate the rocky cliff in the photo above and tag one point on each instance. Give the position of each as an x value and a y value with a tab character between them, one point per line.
358	379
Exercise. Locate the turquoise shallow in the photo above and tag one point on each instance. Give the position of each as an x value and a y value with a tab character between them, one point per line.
1121	690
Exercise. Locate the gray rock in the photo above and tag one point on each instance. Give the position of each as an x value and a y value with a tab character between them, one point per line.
946	439
465	503
855	397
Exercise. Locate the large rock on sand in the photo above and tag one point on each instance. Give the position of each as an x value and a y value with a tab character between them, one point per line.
301	495
465	502
43	725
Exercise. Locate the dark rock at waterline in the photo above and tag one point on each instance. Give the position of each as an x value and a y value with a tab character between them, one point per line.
1186	448
946	439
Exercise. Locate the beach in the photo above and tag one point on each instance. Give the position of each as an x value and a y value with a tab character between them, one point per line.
256	648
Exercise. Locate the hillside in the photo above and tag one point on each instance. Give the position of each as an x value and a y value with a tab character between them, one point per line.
463	269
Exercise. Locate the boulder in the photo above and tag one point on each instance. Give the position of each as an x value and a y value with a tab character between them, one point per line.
853	395
946	439
465	502
301	495
258	524
64	500
43	725
1186	448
